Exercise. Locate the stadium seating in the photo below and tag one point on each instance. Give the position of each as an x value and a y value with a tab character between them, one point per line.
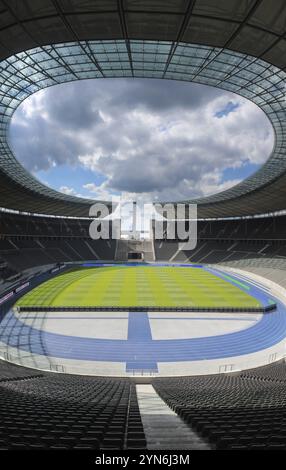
56	411
10	371
275	372
41	410
6	272
236	46
46	240
245	411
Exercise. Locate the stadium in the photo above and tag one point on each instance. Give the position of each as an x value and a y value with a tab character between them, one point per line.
141	343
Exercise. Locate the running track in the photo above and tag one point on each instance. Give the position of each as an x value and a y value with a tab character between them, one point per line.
140	351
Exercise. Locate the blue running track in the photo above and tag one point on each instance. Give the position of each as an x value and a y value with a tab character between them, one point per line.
140	351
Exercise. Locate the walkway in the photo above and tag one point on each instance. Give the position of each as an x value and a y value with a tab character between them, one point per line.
163	428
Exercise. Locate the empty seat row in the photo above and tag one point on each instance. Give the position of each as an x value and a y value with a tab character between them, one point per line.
245	411
58	411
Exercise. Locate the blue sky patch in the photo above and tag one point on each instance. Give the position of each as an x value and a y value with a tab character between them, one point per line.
242	172
231	107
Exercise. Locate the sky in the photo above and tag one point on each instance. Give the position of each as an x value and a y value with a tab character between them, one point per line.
158	139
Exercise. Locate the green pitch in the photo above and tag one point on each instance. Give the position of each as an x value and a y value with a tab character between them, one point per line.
121	286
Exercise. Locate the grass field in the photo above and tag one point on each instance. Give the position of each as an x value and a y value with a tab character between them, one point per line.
121	286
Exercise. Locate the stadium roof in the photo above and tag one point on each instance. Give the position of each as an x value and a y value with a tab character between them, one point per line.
237	45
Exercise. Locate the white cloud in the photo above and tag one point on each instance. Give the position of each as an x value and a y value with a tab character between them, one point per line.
67	190
101	191
161	140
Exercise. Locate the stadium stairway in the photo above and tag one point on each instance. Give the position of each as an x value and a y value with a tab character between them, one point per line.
163	428
121	251
233	412
224	411
56	411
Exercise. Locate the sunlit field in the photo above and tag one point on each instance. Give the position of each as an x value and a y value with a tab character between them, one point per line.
121	286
